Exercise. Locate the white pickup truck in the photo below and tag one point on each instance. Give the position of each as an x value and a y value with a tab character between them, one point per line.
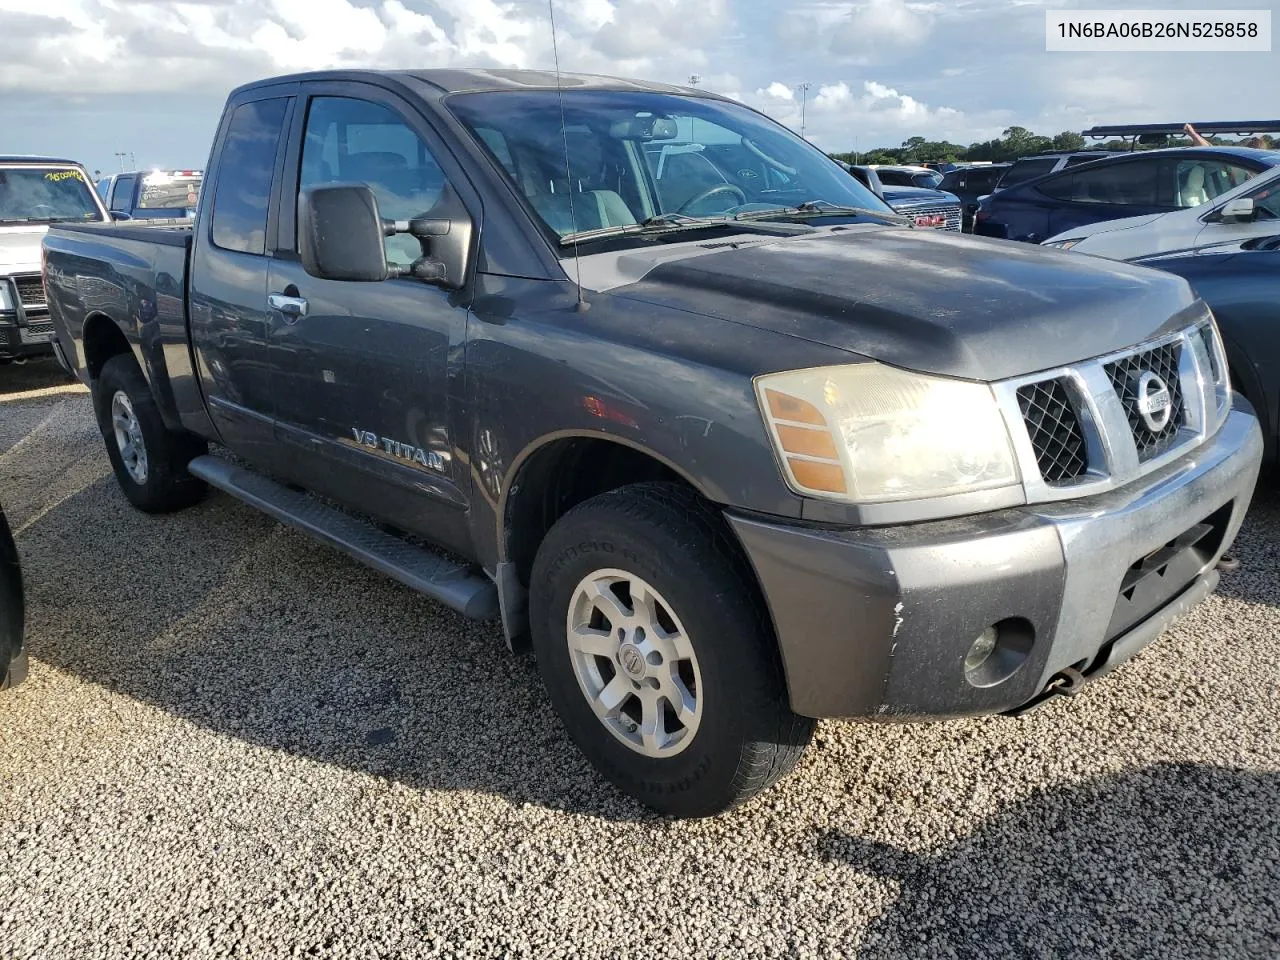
35	192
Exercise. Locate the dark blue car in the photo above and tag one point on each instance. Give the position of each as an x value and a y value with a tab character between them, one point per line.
1128	185
1240	281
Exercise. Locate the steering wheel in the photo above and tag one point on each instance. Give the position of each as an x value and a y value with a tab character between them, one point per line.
42	206
711	192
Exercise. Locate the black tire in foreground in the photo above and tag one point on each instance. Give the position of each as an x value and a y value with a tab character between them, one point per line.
13	659
150	460
657	652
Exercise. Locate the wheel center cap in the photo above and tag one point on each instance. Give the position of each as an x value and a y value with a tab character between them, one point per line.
632	661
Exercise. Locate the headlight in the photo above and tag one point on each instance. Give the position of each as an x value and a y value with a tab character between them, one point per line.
6	296
868	432
1062	244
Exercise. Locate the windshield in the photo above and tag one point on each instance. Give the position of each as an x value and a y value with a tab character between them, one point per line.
169	194
633	156
45	195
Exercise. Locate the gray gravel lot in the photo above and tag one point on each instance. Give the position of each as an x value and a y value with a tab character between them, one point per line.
235	743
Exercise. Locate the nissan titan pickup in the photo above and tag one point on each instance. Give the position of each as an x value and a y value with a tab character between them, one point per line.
685	407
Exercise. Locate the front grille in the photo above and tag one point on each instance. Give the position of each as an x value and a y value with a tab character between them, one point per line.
41	327
1126	376
951	211
30	290
1054	430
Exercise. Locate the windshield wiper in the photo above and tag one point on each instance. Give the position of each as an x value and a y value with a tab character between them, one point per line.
823	208
661	223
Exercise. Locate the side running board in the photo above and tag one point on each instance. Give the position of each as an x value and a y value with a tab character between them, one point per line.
470	593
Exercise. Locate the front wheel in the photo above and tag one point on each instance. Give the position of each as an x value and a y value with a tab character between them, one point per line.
657	652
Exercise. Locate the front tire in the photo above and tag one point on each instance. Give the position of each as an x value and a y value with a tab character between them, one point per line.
149	460
657	652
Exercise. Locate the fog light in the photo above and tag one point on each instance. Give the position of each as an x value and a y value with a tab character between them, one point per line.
999	652
981	650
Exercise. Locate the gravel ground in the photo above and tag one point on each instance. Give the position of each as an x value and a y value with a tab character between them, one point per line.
234	743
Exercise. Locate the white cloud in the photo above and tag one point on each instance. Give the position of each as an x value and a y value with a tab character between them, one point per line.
777	91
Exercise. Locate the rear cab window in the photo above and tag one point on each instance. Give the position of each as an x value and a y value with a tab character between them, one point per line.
242	192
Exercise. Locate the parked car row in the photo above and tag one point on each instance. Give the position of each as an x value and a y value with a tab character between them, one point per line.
1128	185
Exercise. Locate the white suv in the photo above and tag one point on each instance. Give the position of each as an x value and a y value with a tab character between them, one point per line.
1250	210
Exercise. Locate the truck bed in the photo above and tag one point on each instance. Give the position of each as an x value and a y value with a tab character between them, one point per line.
176	232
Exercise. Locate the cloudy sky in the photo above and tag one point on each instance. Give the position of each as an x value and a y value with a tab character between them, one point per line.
92	77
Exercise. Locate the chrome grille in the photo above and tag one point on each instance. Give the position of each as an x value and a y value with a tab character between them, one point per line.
1055	431
951	211
1126	374
30	289
1078	430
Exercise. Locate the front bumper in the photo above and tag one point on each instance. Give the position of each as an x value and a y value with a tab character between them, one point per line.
33	338
876	622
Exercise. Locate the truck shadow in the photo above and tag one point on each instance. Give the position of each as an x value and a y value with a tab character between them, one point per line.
1171	860
223	617
42	374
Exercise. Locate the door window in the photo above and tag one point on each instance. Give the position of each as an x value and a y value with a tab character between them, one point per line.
242	193
349	140
1196	182
122	195
1267	201
1025	170
1121	184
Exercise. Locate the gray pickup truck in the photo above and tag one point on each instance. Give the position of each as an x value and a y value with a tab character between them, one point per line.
680	401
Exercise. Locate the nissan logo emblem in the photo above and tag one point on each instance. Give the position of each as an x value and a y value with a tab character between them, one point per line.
1155	405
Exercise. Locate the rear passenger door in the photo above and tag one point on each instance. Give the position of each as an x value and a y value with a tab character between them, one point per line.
1110	192
228	284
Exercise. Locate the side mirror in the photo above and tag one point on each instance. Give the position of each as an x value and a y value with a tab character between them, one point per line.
341	237
120	215
1239	210
340	233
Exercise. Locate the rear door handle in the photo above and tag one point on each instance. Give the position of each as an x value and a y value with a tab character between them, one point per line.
291	307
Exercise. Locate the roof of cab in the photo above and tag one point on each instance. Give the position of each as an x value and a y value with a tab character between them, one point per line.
478	80
22	158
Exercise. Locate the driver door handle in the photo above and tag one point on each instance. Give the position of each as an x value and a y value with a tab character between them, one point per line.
291	307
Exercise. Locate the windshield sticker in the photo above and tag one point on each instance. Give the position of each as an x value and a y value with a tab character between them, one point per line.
56	176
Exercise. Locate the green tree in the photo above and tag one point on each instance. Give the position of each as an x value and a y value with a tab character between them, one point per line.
1068	141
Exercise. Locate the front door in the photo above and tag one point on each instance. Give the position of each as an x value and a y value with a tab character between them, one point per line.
362	370
229	317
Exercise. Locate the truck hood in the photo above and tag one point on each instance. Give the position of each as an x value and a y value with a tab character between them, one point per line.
20	246
925	300
916	196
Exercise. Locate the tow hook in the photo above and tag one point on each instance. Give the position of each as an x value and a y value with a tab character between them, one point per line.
1228	563
1066	682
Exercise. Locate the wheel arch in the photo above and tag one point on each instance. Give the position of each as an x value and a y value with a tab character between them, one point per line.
537	472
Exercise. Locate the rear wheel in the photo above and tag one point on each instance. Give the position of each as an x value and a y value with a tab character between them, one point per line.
149	459
657	652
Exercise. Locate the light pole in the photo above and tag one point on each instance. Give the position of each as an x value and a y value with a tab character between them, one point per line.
694	80
804	98
121	154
